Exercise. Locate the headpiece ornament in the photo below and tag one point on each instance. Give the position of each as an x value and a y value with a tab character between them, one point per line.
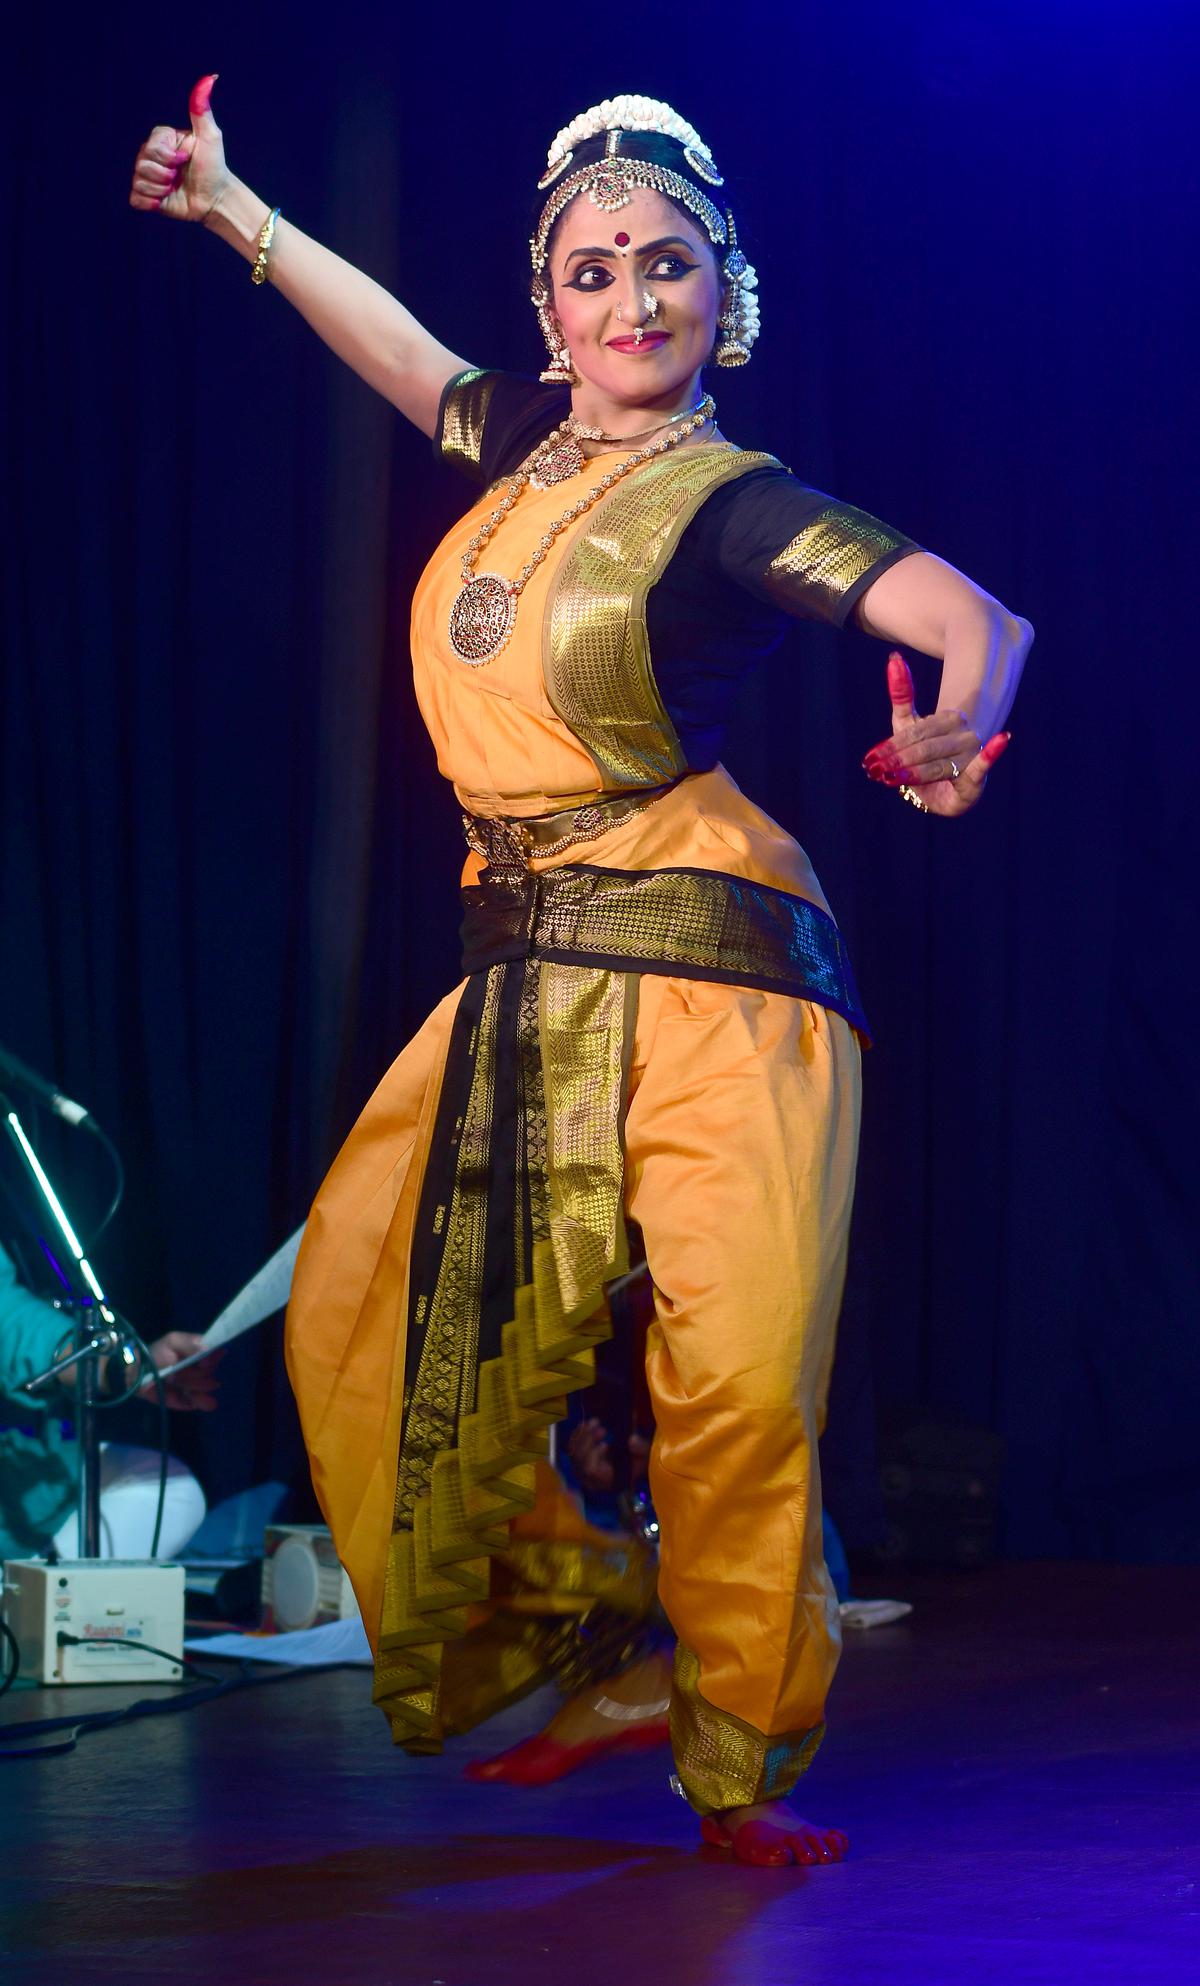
610	180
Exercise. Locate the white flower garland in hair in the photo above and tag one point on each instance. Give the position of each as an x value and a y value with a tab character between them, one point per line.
627	113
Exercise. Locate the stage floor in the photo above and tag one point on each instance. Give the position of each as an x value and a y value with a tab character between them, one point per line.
1016	1765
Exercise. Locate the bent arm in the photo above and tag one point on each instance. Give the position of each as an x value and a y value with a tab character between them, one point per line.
30	1334
923	603
356	317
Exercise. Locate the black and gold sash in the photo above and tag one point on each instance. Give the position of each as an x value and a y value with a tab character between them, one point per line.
520	1228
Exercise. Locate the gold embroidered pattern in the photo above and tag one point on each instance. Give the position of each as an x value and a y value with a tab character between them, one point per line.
445	1382
595	649
531	1213
570	1577
720	1761
696	921
464	412
587	1020
482	1473
834	551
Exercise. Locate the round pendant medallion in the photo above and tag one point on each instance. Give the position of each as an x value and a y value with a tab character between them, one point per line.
561	457
481	618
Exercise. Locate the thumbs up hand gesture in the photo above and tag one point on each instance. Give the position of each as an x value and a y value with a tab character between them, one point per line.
940	758
182	173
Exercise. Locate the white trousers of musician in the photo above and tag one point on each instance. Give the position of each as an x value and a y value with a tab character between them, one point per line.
129	1501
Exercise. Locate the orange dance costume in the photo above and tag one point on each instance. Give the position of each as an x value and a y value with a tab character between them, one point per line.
656	1037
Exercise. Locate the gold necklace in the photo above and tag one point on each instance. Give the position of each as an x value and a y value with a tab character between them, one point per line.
485	607
561	455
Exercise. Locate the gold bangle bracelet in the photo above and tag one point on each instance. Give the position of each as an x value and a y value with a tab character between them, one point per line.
258	273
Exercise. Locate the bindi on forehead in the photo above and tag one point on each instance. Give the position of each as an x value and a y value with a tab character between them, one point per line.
622	239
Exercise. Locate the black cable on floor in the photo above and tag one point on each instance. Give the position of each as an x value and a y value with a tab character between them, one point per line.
75	1728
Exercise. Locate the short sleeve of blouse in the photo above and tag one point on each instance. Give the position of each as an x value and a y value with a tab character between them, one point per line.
488	421
794	546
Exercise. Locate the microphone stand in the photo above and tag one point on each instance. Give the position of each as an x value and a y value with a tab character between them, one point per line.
87	1298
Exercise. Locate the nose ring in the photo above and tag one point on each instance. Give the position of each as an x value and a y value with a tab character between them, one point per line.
649	305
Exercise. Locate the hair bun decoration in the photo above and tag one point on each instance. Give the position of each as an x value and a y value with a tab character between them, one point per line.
702	165
629	113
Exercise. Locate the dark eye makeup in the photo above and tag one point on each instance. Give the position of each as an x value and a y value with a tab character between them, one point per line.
663	269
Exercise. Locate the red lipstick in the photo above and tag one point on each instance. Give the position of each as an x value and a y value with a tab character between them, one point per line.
649	342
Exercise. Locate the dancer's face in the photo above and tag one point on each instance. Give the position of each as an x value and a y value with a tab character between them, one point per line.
650	263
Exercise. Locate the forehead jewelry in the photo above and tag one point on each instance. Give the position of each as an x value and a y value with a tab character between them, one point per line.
485	607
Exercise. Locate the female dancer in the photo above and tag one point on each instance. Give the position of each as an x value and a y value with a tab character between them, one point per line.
657	1032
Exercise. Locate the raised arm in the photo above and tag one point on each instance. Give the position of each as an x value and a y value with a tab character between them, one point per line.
183	174
945	757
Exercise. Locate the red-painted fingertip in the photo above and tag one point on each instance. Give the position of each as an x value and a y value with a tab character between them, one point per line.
200	100
899	678
997	746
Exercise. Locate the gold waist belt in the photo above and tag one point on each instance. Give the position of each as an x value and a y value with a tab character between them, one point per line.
699	923
507	843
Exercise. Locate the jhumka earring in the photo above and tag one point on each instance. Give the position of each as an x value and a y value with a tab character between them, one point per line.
560	371
739	318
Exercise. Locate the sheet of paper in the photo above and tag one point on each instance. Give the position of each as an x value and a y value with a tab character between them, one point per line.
265	1293
303	1648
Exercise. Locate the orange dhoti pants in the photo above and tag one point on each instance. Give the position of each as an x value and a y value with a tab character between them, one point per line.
741	1140
740	1144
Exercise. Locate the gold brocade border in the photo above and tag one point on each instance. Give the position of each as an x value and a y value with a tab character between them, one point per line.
586	1022
528	1637
827	559
483	1475
699	922
595	647
464	412
446	1375
562	1577
722	1762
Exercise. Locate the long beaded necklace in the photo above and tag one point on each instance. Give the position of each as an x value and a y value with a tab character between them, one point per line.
484	609
561	455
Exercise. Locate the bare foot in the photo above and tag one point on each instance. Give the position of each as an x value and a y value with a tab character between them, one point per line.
771	1833
644	1690
624	1713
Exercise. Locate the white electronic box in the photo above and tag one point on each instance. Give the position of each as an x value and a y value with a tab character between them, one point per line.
115	1609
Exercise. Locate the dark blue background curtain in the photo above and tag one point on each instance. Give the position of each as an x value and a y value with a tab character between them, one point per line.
228	868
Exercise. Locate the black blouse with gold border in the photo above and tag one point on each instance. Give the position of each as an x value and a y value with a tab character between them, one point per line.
760	550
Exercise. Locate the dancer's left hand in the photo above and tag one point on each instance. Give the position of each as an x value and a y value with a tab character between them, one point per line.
922	751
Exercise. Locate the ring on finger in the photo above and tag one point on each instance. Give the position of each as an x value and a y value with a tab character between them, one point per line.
955	768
